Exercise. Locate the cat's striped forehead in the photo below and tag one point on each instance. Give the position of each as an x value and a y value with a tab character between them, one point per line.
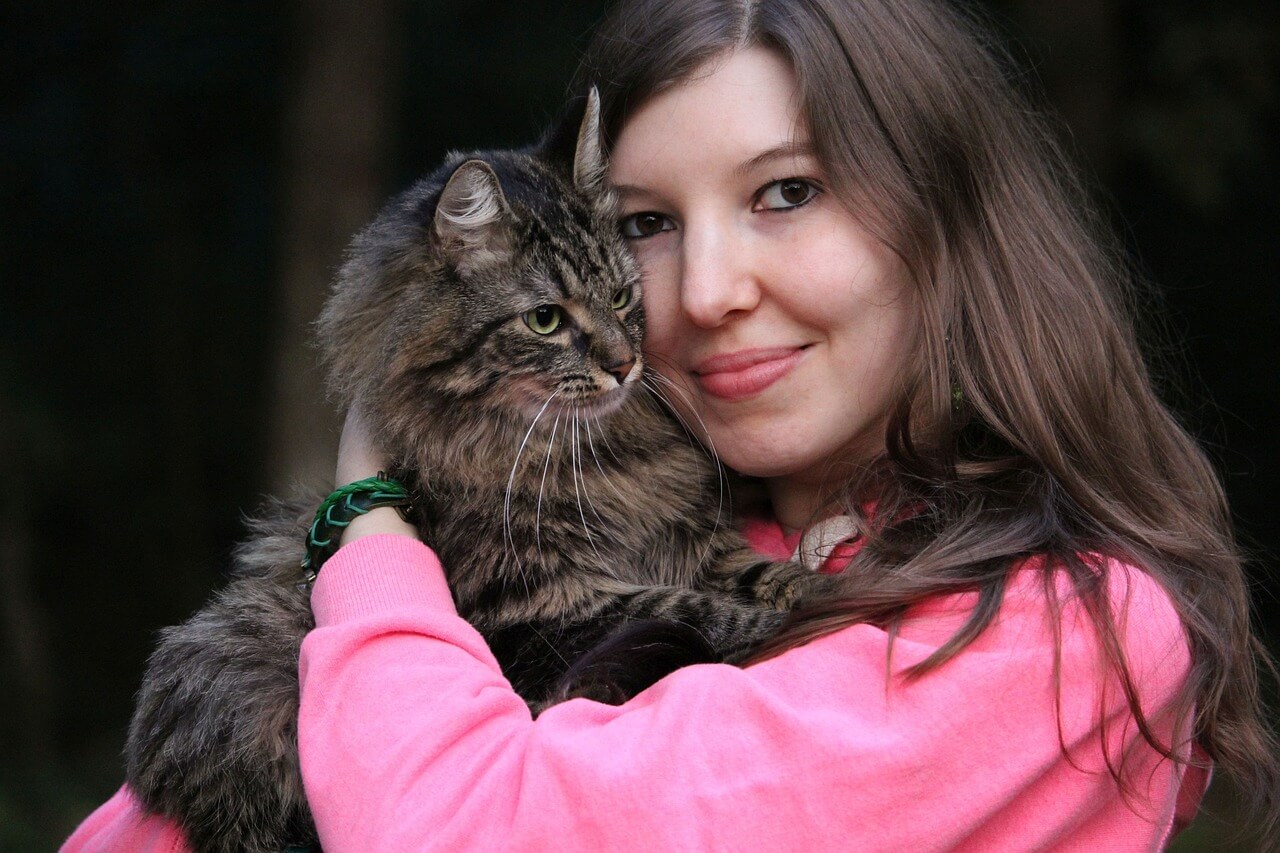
584	263
567	236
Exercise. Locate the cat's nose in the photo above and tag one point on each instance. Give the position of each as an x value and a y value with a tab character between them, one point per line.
621	370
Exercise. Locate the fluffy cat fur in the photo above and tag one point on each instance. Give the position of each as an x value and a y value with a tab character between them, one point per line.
592	508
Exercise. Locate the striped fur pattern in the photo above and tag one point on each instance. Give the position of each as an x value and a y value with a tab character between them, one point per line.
561	495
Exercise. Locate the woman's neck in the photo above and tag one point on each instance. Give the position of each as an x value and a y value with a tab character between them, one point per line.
797	505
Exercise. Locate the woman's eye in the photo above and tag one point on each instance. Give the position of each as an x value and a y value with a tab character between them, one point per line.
544	319
637	226
621	298
787	193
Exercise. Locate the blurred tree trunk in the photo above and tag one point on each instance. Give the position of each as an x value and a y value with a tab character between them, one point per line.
31	701
336	146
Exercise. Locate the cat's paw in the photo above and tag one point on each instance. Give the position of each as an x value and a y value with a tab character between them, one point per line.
789	587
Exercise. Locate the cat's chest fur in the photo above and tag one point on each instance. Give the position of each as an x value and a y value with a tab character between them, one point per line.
579	505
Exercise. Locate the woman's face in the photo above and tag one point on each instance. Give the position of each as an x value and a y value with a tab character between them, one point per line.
784	324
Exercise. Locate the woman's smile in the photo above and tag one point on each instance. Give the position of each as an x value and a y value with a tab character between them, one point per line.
745	373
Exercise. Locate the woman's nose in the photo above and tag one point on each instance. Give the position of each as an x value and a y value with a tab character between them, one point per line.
717	278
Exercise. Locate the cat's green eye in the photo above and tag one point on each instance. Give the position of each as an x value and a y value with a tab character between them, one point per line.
544	319
621	299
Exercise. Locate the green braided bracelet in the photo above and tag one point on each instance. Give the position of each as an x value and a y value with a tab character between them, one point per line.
344	506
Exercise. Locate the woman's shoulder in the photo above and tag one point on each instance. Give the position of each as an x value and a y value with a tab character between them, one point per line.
1051	619
1143	612
1044	605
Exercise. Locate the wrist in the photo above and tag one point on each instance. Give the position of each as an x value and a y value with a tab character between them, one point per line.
378	520
346	505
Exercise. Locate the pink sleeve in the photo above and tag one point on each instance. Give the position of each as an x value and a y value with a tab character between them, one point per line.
121	824
411	739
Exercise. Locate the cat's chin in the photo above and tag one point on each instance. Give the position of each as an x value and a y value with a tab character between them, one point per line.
602	405
596	406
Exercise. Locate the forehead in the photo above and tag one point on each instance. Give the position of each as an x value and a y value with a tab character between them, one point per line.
726	113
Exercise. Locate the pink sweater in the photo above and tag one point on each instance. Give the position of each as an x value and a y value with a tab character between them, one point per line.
411	739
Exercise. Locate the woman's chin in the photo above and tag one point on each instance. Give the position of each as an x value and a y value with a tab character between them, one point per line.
764	461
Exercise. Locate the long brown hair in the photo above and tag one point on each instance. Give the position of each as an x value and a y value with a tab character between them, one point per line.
1028	424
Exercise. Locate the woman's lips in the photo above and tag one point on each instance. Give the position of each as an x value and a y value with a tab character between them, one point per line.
742	374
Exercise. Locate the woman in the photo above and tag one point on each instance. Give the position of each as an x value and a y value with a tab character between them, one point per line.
880	296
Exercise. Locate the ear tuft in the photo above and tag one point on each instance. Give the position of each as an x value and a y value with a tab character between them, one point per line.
470	203
589	164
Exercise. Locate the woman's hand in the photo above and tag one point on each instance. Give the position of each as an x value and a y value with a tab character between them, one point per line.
359	458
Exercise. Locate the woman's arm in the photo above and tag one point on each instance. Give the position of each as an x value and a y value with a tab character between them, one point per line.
411	738
121	824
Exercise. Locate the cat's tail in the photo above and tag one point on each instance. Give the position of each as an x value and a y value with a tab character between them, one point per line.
213	739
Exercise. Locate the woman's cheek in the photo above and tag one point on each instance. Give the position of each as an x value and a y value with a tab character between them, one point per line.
661	306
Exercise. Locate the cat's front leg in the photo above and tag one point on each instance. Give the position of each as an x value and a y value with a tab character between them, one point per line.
737	570
725	624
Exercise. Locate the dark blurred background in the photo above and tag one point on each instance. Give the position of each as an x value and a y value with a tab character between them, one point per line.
177	181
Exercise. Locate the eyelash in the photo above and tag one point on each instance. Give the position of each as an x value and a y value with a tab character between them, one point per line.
814	186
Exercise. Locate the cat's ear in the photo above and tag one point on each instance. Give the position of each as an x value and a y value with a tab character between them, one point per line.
589	164
472	216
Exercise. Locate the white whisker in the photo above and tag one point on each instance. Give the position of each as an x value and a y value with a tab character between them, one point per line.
550	645
586	421
537	516
721	480
586	528
689	435
596	459
604	436
705	437
506	502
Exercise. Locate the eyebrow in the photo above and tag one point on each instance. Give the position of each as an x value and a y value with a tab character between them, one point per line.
787	150
625	190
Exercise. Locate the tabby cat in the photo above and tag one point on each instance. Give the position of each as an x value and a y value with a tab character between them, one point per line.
489	324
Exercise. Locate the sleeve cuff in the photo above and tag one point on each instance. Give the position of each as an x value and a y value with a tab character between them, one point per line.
376	575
